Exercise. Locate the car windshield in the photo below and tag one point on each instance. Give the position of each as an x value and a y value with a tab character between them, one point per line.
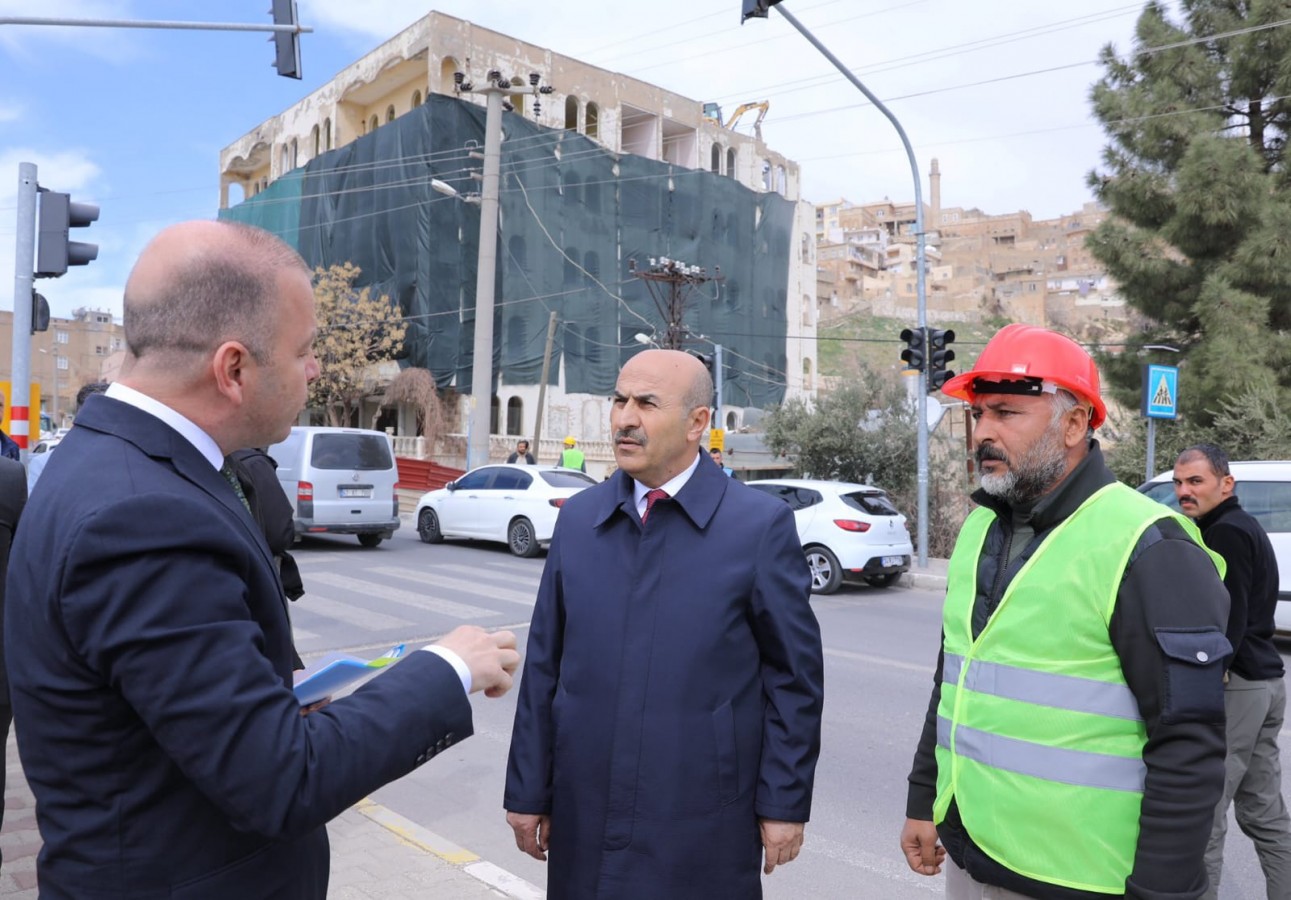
365	452
871	503
567	479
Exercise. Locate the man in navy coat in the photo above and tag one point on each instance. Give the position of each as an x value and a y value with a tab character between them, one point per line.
668	721
146	633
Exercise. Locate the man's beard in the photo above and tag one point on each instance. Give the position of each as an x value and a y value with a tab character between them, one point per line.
1031	475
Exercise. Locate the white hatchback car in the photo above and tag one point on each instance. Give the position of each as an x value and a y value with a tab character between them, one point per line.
1264	490
514	504
848	531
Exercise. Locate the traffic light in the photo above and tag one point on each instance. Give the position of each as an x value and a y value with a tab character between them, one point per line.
938	355
55	253
286	43
756	9
39	313
914	355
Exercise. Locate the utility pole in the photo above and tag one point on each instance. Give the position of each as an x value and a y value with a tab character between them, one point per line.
24	266
758	9
542	385
670	283
496	88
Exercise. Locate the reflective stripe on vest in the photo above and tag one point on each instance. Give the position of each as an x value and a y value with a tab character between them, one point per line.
1097	770
1040	740
1044	688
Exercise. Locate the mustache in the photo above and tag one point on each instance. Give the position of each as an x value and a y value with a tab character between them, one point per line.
630	434
989	451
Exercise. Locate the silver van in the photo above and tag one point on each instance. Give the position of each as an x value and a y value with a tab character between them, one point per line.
340	481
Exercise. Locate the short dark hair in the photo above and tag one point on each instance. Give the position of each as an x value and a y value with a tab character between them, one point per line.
713	451
1217	458
225	294
94	387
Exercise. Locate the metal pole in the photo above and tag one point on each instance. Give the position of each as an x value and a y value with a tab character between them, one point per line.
542	385
54	406
24	265
717	385
477	449
920	253
131	23
1151	464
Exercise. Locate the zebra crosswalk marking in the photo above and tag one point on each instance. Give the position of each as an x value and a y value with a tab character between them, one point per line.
349	613
397	595
434	579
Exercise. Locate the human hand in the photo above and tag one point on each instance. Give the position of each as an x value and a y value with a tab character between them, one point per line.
491	657
533	833
919	844
781	842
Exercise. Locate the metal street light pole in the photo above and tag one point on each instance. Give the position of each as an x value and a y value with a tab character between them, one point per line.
920	255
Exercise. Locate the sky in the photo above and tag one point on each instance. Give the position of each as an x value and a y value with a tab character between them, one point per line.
134	120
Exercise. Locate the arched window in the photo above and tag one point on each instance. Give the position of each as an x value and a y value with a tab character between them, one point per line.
284	160
730	162
573	344
592	263
593	128
493	415
766	174
592	345
715	164
327	134
781	181
416	99
295	153
592	195
390	113
374	123
571	113
447	69
515	416
731	421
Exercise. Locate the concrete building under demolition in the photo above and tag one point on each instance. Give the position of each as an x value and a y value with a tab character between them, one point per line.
603	173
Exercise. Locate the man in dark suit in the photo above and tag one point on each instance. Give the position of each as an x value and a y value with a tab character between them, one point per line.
668	721
146	629
13	496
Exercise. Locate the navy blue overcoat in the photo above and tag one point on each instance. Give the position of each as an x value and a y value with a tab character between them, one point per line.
672	691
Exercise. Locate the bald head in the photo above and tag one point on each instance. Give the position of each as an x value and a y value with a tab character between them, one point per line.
682	373
198	284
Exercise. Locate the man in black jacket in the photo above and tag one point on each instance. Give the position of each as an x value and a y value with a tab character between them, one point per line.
1036	401
1254	696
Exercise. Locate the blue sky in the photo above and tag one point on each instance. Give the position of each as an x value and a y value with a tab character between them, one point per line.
134	120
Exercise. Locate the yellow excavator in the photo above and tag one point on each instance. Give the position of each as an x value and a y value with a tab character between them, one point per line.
713	111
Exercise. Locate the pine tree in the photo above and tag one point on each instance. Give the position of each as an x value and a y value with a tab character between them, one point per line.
1200	238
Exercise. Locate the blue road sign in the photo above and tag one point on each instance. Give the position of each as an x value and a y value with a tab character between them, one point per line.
1161	392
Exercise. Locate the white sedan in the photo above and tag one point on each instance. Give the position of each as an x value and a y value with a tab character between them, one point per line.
516	505
848	531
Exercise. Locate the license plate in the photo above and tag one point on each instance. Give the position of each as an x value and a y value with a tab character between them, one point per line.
350	492
891	560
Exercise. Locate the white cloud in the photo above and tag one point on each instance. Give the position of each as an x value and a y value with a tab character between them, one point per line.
26	42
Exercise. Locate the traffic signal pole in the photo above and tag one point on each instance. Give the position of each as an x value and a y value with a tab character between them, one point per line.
23	287
759	8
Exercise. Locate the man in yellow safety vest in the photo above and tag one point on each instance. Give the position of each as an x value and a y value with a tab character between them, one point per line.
571	457
1074	744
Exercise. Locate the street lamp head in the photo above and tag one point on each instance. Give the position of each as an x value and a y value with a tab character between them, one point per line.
642	338
443	187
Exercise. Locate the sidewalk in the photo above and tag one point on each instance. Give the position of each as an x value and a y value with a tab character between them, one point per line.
931	577
375	854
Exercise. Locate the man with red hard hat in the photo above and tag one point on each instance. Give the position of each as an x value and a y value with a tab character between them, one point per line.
1074	744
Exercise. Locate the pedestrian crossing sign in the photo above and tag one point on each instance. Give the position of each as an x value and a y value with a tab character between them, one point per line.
1161	392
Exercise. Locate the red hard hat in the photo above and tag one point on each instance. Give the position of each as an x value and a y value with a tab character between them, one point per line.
1021	352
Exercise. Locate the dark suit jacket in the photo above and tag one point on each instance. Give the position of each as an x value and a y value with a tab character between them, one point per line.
13	496
672	691
150	663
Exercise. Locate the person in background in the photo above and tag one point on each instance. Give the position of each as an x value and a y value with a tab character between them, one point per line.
521	454
146	633
716	454
36	463
13	496
571	457
8	446
668	722
1255	696
1073	747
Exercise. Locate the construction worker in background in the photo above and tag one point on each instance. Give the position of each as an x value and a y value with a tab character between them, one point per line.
571	457
1074	743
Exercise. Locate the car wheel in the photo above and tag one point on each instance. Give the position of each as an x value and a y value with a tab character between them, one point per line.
882	581
521	539
826	574
370	540
428	527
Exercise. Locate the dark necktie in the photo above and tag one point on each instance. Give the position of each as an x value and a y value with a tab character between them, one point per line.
231	477
652	496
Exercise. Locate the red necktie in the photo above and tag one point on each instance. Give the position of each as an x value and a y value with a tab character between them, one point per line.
652	496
